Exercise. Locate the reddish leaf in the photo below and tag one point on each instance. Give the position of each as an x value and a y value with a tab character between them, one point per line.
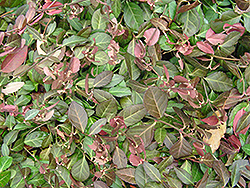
205	47
209	33
237	117
13	61
135	160
20	22
235	27
216	38
140	50
166	72
212	120
1	37
199	148
180	79
152	36
234	141
50	4
30	13
75	65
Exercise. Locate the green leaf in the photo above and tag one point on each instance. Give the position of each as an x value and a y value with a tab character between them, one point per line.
51	28
103	78
80	170
31	114
102	96
231	39
5	150
116	79
173	182
36	35
119	91
183	175
246	18
155	101
230	17
64	175
5	162
160	135
133	114
153	185
133	70
191	21
151	171
75	23
107	108
4	178
101	58
23	100
219	81
246	149
96	127
73	40
235	174
78	116
37	180
141	176
165	163
18	146
145	132
99	21
243	122
197	174
102	40
35	138
47	141
10	137
133	15
116	8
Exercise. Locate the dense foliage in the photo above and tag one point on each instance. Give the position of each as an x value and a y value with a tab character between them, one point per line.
111	93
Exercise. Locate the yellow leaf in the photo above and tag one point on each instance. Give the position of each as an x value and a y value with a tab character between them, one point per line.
216	135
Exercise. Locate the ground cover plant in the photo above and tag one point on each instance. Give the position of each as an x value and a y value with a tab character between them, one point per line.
111	93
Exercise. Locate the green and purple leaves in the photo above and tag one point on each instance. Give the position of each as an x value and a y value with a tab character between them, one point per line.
78	116
155	101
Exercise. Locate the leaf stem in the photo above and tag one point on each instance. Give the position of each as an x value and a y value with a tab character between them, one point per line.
225	58
180	131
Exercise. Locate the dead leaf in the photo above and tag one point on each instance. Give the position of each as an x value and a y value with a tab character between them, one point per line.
216	135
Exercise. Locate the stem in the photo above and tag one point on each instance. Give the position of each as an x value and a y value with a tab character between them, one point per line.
208	100
180	131
225	58
26	184
35	159
60	6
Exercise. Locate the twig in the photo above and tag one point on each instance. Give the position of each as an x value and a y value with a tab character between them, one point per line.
180	131
26	184
60	6
225	58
